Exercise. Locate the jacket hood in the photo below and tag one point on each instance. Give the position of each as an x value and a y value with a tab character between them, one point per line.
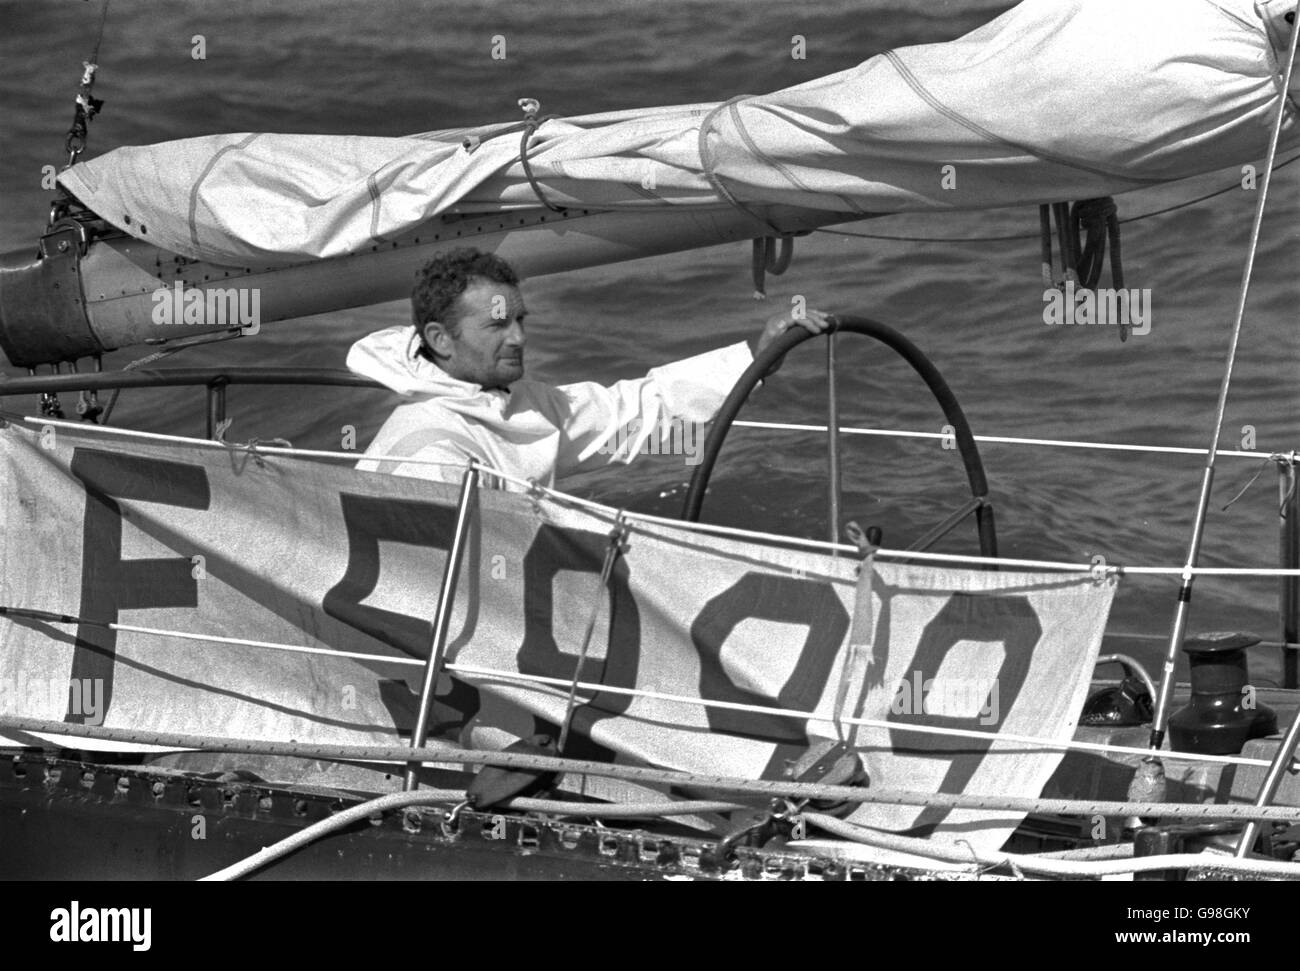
390	357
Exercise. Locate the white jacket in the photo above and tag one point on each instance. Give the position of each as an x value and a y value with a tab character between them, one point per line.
534	430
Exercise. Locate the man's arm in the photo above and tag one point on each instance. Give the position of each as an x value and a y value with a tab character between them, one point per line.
613	424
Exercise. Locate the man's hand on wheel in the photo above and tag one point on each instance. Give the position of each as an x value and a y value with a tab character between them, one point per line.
814	321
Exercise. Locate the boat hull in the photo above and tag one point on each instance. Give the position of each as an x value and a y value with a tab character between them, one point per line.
61	819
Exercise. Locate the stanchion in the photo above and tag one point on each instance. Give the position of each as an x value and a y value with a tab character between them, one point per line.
1289	559
832	442
442	618
1272	781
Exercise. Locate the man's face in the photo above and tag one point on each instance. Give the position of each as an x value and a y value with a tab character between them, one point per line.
489	348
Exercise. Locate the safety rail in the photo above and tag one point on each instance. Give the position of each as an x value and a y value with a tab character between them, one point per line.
215	380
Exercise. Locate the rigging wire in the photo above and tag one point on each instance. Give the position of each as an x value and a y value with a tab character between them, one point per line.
1020	237
1178	628
87	106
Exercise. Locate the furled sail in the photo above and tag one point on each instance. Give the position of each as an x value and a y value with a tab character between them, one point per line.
1052	100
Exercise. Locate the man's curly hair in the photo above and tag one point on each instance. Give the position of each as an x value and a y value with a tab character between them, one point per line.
446	276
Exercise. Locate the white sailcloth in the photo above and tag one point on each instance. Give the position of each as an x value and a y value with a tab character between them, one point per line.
708	654
1053	100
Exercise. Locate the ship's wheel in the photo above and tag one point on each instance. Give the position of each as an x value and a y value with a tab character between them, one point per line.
775	352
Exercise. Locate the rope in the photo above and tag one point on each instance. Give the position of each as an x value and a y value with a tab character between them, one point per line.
1246	488
1104	851
425	797
617	536
249	449
766	227
530	107
175	346
1095	218
1082	265
1052	867
1132	666
1099	219
445	755
317	830
765	259
1078	864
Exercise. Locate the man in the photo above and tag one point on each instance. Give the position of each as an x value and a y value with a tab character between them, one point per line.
462	366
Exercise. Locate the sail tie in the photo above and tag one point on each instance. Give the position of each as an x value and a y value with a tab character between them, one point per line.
531	106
